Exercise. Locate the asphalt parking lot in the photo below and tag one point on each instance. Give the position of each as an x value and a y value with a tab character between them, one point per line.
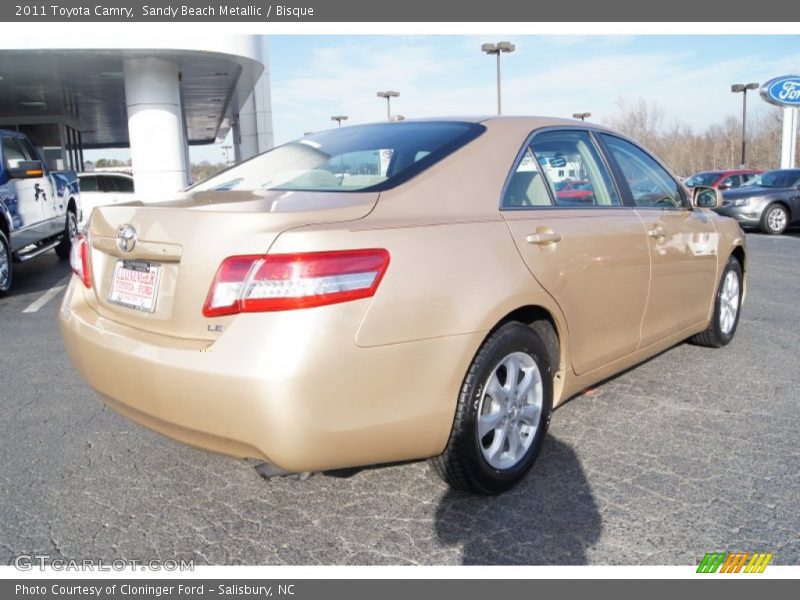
694	451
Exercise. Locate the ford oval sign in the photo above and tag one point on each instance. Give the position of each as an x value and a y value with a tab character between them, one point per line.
783	91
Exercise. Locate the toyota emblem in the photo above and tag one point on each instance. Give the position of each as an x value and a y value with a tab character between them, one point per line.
126	238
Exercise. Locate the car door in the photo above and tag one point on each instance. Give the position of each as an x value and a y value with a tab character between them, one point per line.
589	252
53	214
23	198
683	242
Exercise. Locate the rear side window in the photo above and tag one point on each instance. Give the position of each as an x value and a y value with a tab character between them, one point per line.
118	184
526	186
359	158
574	169
650	184
569	164
88	184
124	184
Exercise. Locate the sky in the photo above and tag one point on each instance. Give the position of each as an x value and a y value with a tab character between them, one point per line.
316	76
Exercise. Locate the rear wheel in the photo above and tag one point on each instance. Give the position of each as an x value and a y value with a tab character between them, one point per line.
5	265
70	233
502	415
775	219
721	329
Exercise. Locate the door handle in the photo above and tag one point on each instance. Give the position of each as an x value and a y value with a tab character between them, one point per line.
542	238
657	232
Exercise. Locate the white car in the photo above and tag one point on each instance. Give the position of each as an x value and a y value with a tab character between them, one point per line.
101	189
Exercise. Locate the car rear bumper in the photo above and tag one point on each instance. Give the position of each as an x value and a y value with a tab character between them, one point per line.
296	391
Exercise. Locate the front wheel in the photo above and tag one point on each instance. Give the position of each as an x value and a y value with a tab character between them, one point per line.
70	233
502	414
775	219
5	265
727	305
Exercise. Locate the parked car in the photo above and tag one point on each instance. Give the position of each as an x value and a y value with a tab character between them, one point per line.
578	190
39	208
722	180
439	307
100	188
771	202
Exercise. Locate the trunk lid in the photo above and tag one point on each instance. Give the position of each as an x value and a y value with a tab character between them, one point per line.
186	240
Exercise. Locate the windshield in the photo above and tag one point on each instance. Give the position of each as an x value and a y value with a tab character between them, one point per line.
705	179
776	179
359	158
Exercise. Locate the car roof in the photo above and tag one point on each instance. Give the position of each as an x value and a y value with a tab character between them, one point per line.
11	133
105	173
533	121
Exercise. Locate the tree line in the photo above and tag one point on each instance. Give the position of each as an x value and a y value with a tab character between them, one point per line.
719	146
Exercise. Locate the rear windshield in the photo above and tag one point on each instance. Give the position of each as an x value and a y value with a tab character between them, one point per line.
359	158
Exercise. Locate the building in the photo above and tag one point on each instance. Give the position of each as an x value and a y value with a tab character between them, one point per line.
154	94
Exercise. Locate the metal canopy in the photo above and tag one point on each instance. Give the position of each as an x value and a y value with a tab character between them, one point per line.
86	90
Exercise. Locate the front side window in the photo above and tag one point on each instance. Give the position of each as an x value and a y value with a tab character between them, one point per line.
730	182
574	170
12	153
358	158
650	184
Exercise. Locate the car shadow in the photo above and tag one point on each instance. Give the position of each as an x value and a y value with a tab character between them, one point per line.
38	274
549	518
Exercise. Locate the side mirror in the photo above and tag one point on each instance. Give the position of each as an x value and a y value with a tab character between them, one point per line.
27	169
706	197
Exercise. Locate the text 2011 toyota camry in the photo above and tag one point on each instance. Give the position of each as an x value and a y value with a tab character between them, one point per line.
399	291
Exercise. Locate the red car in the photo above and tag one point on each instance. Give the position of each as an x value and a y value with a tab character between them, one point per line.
722	180
580	190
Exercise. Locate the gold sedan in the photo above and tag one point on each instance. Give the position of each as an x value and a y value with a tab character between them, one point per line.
420	289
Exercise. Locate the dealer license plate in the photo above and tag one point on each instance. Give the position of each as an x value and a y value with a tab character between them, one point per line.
135	284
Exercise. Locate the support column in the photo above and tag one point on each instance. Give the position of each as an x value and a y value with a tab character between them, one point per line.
155	127
789	144
252	133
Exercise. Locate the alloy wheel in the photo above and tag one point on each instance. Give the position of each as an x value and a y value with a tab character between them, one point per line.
776	219
510	410
729	303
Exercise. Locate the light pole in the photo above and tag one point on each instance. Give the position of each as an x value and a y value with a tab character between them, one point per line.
743	87
581	116
388	94
339	119
498	49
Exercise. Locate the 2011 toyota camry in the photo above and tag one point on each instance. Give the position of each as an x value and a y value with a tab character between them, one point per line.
399	291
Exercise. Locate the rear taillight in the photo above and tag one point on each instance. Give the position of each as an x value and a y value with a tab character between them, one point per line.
291	281
79	260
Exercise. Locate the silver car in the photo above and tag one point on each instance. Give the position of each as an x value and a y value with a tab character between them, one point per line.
770	202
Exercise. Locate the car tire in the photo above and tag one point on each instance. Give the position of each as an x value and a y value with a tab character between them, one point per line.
497	437
70	232
6	270
727	308
775	219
